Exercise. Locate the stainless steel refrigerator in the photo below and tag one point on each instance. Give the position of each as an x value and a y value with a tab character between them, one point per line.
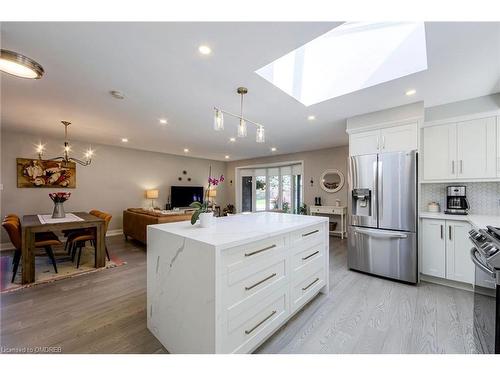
382	208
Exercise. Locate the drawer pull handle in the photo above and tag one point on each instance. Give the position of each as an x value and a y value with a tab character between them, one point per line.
311	284
260	251
311	255
309	233
260	282
249	331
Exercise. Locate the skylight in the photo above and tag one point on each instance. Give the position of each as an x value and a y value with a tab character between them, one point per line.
348	58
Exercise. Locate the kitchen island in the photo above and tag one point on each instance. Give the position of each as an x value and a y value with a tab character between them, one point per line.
227	288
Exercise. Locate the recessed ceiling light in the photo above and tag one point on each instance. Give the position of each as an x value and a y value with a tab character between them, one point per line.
186	150
163	121
20	66
411	92
232	139
205	50
311	117
273	149
227	156
117	94
124	140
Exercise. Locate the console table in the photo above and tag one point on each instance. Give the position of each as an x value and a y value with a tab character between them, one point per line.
332	211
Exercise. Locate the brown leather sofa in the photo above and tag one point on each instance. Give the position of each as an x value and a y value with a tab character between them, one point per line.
135	221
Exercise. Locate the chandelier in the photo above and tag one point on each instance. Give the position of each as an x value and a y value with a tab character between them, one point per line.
67	148
242	125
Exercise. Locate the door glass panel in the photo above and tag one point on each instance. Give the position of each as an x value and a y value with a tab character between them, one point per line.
260	193
274	191
246	193
286	183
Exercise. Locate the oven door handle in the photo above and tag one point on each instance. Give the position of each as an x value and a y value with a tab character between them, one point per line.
478	263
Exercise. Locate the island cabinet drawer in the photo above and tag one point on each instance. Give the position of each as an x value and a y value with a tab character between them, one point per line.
308	234
240	256
306	287
251	284
302	256
247	326
327	210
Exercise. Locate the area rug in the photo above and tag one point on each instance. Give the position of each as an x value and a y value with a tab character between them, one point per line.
44	271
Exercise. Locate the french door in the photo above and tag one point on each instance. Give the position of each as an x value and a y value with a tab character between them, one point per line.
271	189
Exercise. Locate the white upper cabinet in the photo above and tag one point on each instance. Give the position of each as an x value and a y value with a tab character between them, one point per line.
466	150
440	152
364	143
396	138
476	148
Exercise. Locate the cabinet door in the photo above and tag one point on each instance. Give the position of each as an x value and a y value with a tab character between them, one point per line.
433	248
440	152
364	143
399	138
459	266
476	140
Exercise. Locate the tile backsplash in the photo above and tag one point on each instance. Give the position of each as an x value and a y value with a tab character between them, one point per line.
484	197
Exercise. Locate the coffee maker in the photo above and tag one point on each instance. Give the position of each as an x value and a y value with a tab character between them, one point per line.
456	201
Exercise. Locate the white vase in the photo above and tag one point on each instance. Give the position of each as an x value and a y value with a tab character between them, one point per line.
206	219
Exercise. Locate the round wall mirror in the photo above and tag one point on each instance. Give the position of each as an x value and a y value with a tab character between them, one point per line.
332	180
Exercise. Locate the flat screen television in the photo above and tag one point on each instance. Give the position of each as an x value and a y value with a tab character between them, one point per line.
183	196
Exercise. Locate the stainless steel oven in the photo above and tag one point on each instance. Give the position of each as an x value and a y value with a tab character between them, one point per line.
486	256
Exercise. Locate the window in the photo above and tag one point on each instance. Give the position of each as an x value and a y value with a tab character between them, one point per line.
277	188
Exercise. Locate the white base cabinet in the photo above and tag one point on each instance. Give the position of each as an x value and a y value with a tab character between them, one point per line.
445	249
227	288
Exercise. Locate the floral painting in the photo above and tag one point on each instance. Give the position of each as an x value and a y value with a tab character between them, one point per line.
45	173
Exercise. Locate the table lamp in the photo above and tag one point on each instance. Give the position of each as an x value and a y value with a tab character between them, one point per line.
152	194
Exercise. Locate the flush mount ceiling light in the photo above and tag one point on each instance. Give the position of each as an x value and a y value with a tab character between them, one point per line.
204	50
311	117
67	148
273	149
20	66
242	125
163	121
226	157
186	150
351	57
411	92
124	140
232	139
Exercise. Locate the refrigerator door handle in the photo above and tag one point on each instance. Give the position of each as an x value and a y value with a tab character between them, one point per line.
379	233
380	192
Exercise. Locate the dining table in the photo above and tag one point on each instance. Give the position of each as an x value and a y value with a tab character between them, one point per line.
32	224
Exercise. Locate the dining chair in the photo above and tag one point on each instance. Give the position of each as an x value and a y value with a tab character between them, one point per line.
78	239
12	225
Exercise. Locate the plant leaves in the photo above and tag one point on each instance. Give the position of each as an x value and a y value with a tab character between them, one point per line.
195	205
194	217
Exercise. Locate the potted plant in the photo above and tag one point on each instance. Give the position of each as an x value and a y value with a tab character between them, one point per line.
203	210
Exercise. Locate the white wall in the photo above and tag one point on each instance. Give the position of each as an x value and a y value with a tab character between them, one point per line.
486	103
315	163
116	179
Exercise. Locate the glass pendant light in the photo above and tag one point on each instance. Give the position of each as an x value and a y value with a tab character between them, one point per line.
218	120
242	128
260	136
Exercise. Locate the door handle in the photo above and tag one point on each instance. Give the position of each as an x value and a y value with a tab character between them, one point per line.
379	233
383	142
249	331
449	232
310	255
441	231
478	263
310	284
260	251
453	167
260	282
461	167
309	233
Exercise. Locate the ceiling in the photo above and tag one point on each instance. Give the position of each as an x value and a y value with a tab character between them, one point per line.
158	68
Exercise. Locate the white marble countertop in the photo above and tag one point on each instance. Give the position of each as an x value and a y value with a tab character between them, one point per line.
478	221
238	229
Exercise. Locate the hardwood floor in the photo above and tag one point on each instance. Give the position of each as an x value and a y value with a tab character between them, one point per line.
105	312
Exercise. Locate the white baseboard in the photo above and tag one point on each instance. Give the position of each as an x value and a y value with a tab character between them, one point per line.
445	282
4	246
